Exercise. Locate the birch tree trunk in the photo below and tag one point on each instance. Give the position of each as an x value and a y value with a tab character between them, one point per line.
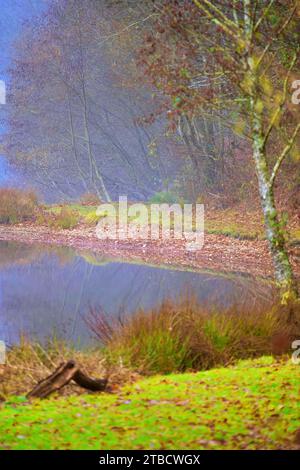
283	269
252	59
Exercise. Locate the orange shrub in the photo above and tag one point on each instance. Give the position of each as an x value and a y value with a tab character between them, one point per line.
17	205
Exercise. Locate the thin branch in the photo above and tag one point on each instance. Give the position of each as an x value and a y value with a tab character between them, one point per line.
283	100
264	14
285	24
248	22
215	43
219	12
283	155
126	28
222	25
235	14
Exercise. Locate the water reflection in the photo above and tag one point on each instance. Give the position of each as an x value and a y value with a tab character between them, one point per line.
49	289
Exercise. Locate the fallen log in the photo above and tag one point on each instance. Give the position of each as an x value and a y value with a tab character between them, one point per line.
62	376
84	381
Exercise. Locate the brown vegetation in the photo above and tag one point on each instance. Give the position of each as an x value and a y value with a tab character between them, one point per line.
174	337
66	218
30	362
89	199
17	205
186	335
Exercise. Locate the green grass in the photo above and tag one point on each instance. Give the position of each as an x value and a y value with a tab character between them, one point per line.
227	222
234	230
254	405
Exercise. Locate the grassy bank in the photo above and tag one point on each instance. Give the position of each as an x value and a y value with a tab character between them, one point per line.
254	405
17	206
244	225
176	336
249	404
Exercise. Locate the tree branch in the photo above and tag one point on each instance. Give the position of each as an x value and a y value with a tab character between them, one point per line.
281	29
235	13
282	102
220	13
283	155
264	14
222	25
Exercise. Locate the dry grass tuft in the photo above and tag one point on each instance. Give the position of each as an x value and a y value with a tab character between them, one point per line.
28	363
185	335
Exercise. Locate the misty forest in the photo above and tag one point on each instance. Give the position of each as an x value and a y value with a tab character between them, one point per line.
149	224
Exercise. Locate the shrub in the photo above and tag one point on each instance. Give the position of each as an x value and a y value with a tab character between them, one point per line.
89	199
92	218
164	197
66	219
17	205
180	336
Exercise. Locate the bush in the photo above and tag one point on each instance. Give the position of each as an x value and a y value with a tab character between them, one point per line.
92	218
17	205
180	336
89	199
164	197
66	219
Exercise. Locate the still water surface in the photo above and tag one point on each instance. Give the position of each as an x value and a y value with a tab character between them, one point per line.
47	290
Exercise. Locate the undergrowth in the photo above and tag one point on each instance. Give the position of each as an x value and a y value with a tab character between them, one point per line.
179	336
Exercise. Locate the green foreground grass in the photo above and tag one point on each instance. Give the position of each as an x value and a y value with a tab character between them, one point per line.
253	405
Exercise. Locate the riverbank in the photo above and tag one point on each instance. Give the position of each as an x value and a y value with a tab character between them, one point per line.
223	253
252	405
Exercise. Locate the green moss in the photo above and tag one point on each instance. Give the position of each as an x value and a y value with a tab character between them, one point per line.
254	405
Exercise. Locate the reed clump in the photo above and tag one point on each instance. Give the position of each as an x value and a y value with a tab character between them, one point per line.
183	335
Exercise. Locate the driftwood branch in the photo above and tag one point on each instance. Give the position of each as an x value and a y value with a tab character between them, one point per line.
62	376
95	385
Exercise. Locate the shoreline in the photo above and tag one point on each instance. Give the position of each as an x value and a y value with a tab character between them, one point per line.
219	253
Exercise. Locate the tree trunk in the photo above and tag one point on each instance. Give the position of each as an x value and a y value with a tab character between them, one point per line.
283	269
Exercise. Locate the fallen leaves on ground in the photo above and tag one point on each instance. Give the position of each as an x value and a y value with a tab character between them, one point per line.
253	405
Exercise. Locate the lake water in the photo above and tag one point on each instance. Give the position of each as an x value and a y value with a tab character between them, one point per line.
47	290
